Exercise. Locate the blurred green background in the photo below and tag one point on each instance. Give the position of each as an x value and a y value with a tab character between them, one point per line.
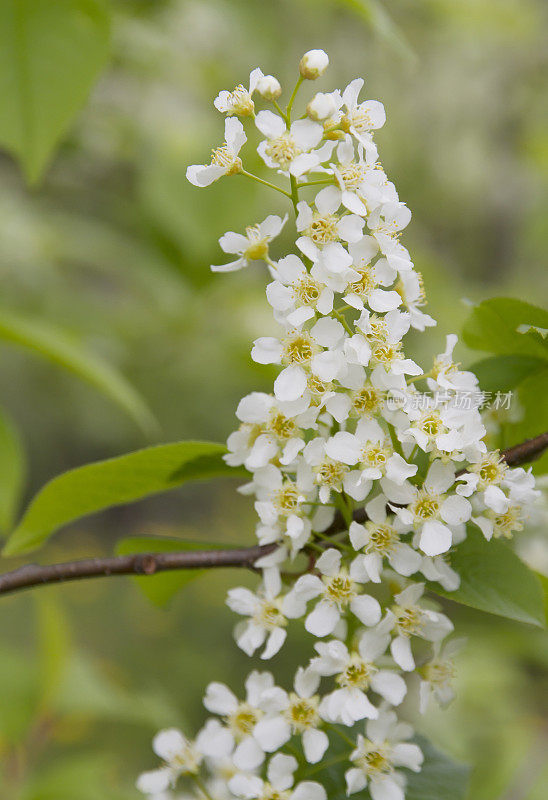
115	246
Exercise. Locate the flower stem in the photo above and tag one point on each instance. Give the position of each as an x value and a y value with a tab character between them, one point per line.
265	183
292	100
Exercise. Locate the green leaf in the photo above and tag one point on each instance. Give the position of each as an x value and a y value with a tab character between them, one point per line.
504	373
162	587
441	778
494	579
50	55
57	346
506	327
13	470
113	482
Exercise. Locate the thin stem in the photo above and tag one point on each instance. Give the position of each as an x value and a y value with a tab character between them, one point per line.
292	100
265	183
395	441
316	183
202	787
343	322
343	736
294	193
280	110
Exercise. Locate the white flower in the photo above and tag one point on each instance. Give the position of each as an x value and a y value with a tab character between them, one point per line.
239	101
411	289
363	185
180	757
378	754
412	619
356	673
241	719
386	221
362	118
370	448
313	64
296	293
437	569
278	784
297	714
430	512
316	351
322	106
324	226
266	620
269	87
289	150
224	160
379	539
438	673
251	247
282	503
447	375
337	591
367	289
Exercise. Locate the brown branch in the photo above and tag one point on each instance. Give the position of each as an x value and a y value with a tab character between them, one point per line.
151	563
140	564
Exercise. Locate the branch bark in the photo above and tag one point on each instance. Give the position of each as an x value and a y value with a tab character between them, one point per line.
151	563
140	564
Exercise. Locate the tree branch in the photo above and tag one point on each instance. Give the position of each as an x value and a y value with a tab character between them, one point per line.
151	563
140	564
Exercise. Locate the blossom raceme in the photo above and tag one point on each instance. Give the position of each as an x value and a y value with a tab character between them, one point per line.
367	470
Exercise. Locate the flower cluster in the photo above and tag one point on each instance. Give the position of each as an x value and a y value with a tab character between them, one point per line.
364	491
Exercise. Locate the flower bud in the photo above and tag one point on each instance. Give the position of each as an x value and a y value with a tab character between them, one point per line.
321	106
269	87
313	64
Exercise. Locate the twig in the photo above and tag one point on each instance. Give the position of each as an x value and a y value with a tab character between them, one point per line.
140	564
151	563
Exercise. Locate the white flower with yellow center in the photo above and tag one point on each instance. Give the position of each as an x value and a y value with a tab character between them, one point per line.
241	718
251	247
360	119
296	294
362	183
369	288
278	784
332	475
412	619
377	756
224	159
356	673
303	352
239	101
386	223
289	150
322	225
297	714
371	450
430	512
447	375
438	673
378	540
411	288
264	609
337	592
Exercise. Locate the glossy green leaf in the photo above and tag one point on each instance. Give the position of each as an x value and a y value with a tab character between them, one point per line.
50	55
161	588
495	579
506	327
13	470
113	482
60	348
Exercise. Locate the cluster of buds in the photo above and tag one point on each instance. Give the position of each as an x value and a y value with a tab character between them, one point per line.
363	498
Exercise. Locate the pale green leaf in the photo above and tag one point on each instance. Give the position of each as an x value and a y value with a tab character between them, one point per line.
161	588
60	348
13	470
51	52
495	579
504	373
113	482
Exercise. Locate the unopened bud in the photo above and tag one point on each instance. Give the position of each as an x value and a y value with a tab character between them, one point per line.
321	106
313	64
269	87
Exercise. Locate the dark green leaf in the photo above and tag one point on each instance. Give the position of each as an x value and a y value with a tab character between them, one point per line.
57	346
162	587
116	481
50	56
494	579
504	373
13	470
